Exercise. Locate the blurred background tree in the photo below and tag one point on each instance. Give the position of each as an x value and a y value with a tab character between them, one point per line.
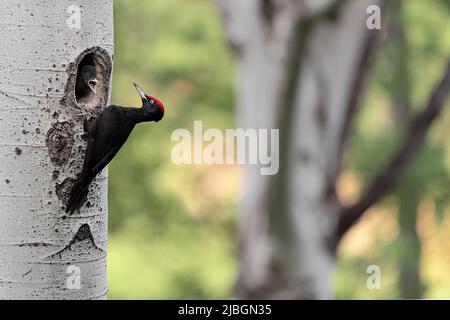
404	66
173	228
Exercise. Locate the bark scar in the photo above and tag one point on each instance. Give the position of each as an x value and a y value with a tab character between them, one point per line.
59	141
83	234
26	273
63	189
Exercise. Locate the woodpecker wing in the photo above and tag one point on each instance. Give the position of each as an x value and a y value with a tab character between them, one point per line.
106	135
110	133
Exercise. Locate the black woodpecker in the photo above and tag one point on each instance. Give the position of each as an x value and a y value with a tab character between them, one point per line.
86	82
105	136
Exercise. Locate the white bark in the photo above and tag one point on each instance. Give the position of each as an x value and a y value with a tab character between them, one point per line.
38	241
295	261
330	63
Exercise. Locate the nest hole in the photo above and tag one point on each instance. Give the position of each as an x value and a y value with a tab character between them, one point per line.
92	79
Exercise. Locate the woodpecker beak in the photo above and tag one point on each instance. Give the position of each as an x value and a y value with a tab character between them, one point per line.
141	92
92	84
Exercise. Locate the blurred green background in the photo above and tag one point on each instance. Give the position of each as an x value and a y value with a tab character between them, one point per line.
173	229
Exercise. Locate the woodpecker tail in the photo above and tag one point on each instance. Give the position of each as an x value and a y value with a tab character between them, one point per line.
77	195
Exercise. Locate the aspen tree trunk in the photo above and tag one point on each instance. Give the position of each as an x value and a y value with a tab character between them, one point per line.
301	66
45	253
299	63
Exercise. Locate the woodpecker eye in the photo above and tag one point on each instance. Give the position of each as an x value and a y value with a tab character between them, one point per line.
152	101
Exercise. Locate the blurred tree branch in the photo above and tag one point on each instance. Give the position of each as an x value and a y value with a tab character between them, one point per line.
358	83
273	17
407	152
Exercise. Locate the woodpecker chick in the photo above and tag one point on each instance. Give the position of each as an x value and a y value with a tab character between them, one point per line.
105	136
86	82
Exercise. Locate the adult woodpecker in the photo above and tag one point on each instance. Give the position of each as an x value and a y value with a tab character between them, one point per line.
86	81
105	136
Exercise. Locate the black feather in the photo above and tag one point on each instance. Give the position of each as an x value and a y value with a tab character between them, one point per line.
105	136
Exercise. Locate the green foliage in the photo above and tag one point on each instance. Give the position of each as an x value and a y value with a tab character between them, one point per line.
160	247
173	231
405	68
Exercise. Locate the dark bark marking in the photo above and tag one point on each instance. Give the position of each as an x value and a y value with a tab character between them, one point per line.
83	234
59	141
63	189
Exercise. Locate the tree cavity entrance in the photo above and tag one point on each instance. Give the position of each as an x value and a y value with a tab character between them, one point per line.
87	85
89	79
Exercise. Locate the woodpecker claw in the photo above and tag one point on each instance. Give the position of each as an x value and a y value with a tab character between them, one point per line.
141	92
